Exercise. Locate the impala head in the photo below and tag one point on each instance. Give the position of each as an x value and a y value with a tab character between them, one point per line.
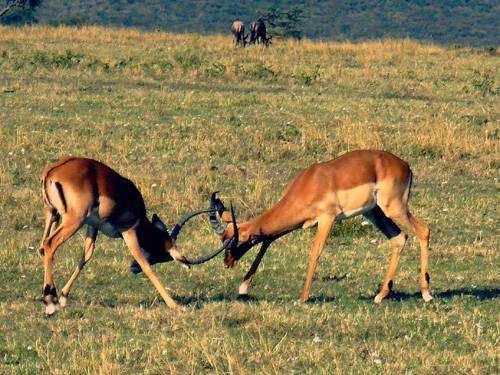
157	243
235	235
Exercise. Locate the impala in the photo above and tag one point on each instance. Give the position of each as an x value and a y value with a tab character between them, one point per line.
375	184
79	191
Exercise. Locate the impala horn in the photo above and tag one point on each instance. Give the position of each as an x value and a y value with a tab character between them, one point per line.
177	228
216	206
231	243
235	238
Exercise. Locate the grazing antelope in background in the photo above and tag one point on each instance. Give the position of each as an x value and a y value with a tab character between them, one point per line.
238	31
79	191
258	33
372	183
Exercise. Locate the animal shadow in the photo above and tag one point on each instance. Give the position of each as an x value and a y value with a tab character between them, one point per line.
199	300
320	299
480	293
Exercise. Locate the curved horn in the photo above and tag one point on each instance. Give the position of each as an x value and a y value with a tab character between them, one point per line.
230	242
217	206
235	239
206	258
217	203
177	228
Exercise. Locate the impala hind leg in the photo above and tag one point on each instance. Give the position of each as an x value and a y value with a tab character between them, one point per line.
67	228
243	290
51	220
397	240
423	234
403	217
130	237
88	251
325	223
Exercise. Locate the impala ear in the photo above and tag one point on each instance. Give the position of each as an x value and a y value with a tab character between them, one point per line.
158	223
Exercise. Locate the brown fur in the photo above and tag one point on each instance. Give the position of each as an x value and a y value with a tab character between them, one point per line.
78	189
332	190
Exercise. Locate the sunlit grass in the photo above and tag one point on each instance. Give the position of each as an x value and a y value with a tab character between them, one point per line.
184	115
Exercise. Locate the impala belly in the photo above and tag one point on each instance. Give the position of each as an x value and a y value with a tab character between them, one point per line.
111	227
356	201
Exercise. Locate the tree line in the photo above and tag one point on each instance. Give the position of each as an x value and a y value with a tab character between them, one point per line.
447	22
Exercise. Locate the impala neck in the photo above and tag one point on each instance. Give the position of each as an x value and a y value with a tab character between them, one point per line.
272	224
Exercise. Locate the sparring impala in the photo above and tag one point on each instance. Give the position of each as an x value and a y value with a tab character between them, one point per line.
375	184
79	191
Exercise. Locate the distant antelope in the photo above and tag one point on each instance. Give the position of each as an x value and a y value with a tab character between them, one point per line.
79	191
238	31
258	33
375	184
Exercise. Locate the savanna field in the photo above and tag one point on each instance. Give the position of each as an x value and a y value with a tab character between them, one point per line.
185	115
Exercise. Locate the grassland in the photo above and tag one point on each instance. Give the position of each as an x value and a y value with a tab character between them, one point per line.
185	115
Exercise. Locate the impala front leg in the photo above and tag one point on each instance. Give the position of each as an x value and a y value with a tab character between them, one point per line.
130	237
243	290
325	223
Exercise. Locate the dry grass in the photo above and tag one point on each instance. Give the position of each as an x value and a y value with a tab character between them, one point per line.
183	115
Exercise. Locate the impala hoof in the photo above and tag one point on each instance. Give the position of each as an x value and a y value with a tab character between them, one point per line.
426	295
379	297
175	307
303	299
51	309
243	289
63	301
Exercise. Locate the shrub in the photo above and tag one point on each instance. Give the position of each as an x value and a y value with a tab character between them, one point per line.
188	60
257	70
216	70
490	50
164	66
307	79
66	60
484	83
